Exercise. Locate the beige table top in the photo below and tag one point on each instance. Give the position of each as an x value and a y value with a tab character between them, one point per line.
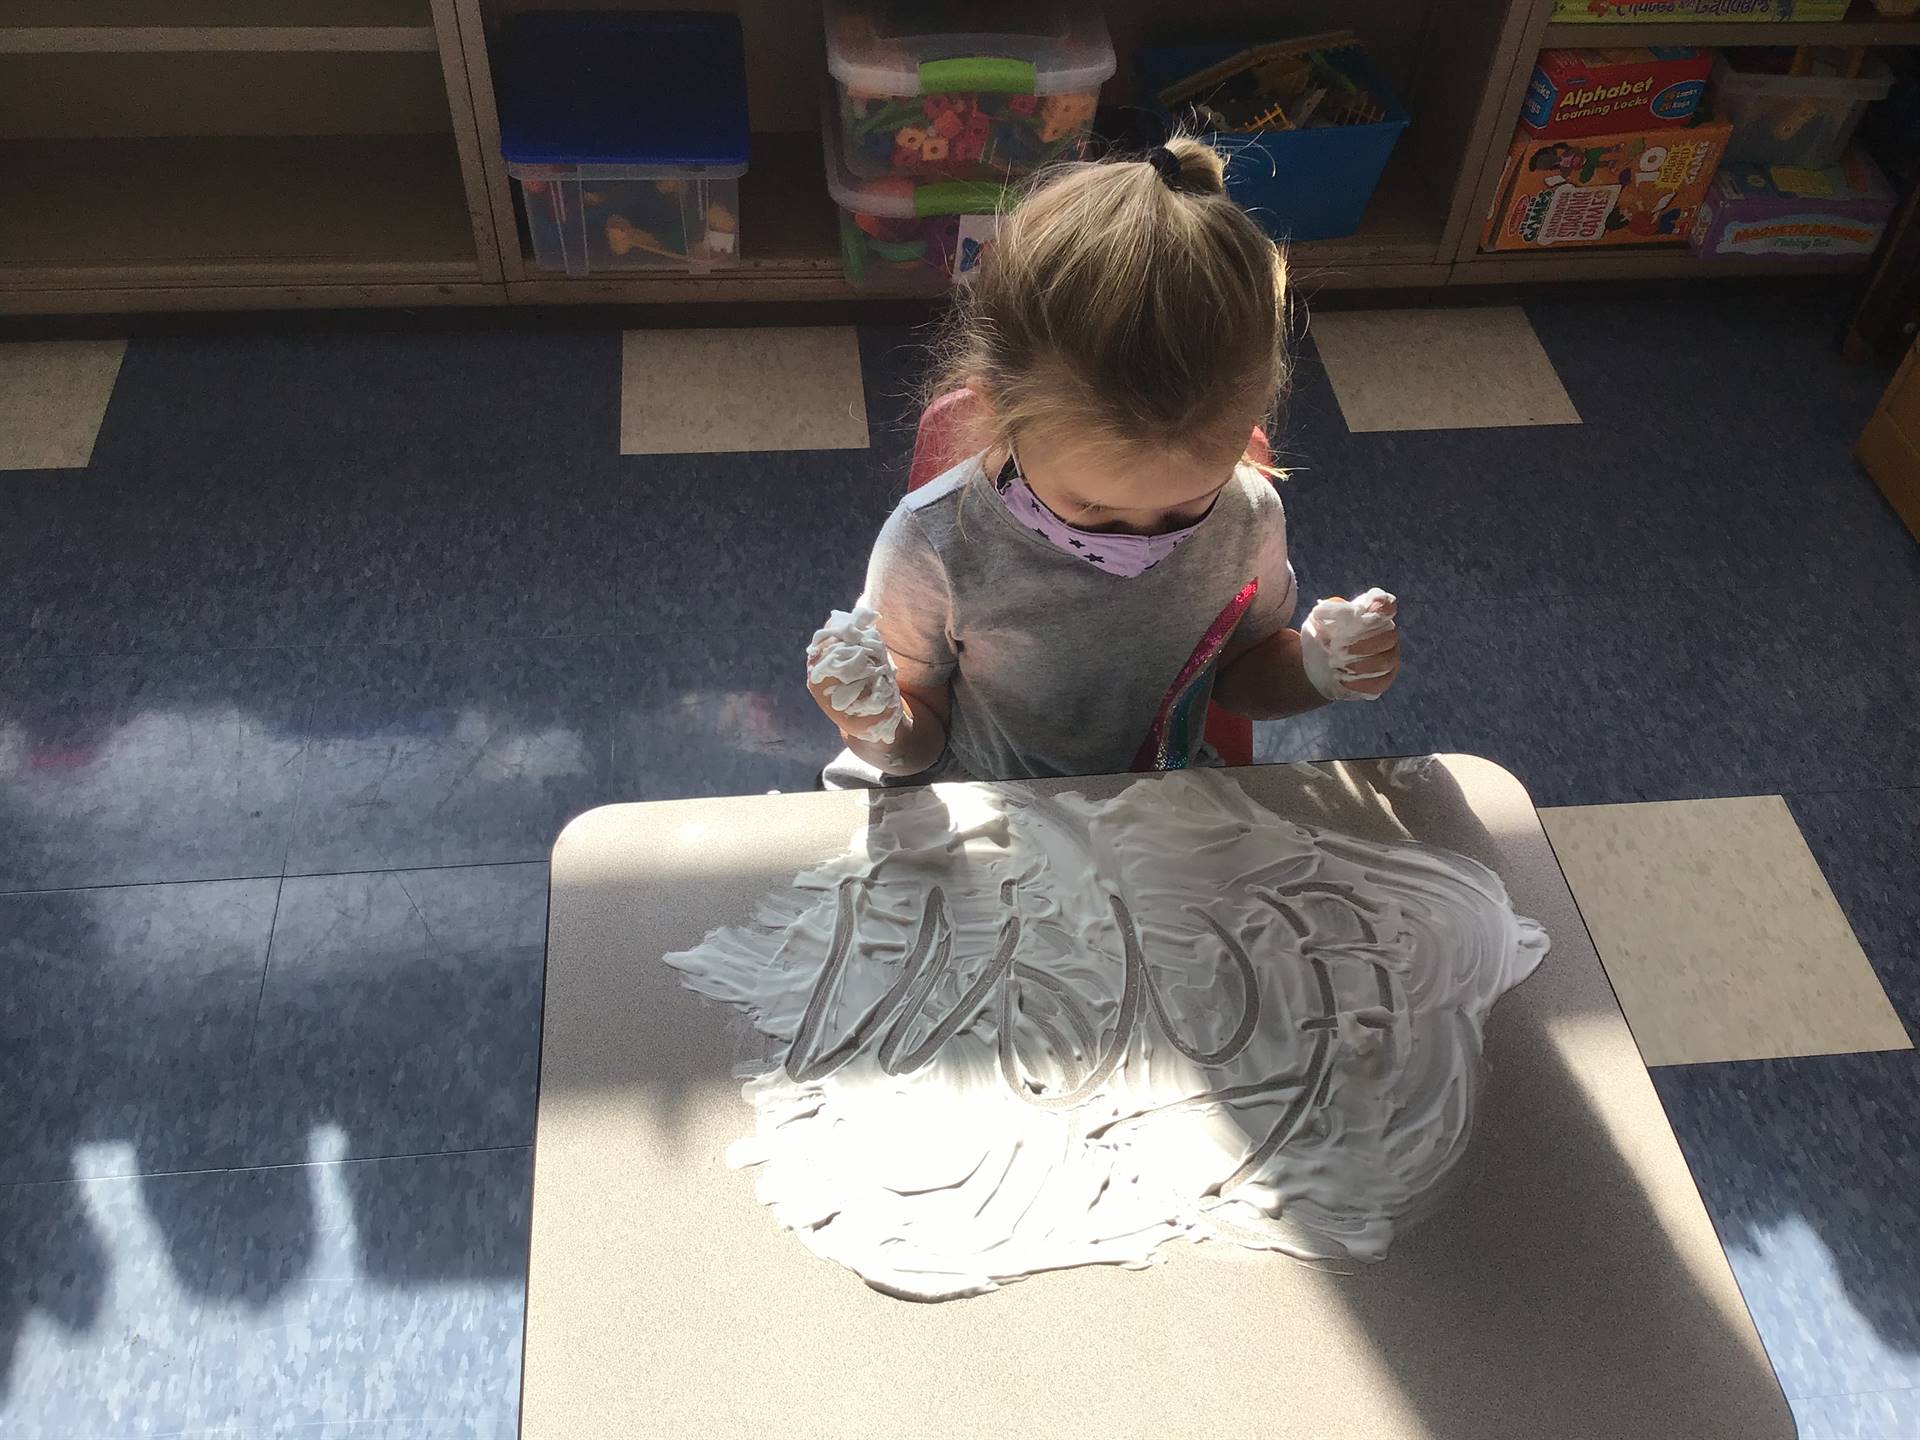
1572	1286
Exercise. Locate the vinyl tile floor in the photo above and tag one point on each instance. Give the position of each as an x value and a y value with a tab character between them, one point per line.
311	643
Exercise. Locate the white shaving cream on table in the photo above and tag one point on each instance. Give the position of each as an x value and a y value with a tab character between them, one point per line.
1013	1033
848	649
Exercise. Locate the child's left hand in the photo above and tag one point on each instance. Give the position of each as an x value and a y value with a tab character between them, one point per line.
1352	648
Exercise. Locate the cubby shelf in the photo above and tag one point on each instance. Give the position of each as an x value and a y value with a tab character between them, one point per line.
29	27
207	153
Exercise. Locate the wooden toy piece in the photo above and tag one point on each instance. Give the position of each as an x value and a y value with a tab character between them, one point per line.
1260	60
1061	115
623	237
723	230
1794	118
1842	63
1283	74
1350	110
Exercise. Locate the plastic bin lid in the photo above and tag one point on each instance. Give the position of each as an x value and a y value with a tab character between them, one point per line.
1872	83
895	196
909	47
665	88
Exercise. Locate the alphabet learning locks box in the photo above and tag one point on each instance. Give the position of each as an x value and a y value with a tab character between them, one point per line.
1603	92
1632	189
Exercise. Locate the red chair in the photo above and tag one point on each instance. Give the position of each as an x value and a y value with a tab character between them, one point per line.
939	445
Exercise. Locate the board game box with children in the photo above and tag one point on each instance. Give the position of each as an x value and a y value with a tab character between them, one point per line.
1637	188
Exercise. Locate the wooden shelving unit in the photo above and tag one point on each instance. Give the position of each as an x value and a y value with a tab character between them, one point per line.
1637	262
1863	26
208	153
185	154
247	209
31	27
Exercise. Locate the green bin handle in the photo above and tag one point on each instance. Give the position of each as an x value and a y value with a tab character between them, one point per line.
998	74
957	197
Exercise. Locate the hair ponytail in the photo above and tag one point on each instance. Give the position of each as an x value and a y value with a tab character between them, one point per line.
1127	299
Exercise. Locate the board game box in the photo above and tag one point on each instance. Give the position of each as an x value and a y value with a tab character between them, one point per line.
1603	92
1784	210
1637	188
1642	12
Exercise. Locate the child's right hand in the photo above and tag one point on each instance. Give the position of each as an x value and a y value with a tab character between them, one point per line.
851	677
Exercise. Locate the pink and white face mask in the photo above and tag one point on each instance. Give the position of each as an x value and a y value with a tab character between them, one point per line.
1126	556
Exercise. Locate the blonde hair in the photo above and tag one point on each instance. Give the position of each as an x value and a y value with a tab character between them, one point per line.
1124	306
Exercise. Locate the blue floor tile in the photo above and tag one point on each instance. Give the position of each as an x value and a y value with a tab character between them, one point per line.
371	1290
402	1008
1809	1170
1753	368
125	1016
29	511
383	1293
99	1325
1866	841
463	754
181	552
1597	509
1601	699
498	555
1880	1415
718	546
120	769
1432	515
1356	730
722	714
400	402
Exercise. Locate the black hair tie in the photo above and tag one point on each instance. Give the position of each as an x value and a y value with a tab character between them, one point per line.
1165	164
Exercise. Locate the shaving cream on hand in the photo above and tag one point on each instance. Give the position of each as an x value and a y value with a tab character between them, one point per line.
1328	638
848	650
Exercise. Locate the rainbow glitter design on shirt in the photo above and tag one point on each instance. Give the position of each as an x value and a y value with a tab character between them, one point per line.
1180	723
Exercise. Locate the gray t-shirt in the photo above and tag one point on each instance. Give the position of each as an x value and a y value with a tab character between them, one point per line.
1058	667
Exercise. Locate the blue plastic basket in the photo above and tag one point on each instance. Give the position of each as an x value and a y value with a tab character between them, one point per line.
1299	184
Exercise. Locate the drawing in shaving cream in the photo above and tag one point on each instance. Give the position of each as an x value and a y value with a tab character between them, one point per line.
848	649
1010	1033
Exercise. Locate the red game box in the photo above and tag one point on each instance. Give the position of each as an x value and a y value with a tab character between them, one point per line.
1604	92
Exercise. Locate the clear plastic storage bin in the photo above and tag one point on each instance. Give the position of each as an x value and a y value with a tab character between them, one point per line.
899	236
627	133
588	218
918	97
1800	120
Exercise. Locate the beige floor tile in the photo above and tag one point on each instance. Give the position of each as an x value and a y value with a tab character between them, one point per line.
1719	933
1439	369
711	391
53	395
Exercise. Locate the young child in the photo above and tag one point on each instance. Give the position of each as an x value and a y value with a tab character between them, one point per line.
1067	601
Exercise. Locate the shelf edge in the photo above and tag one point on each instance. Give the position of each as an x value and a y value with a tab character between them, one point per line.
214	39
